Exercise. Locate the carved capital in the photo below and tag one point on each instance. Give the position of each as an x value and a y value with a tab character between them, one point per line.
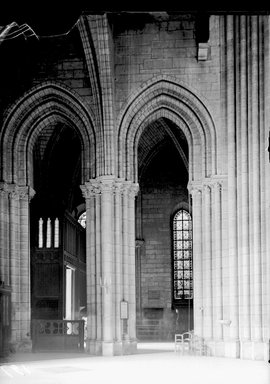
139	243
90	189
133	190
207	188
25	193
15	192
196	192
218	186
195	188
109	184
4	190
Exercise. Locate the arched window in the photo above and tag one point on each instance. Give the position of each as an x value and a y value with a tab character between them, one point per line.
182	256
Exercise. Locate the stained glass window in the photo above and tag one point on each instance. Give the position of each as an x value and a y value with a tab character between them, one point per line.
82	219
182	256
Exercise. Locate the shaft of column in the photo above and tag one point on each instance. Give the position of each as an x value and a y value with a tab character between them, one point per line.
118	258
91	192
262	57
125	245
107	261
217	265
232	280
257	293
245	251
14	265
197	261
91	267
132	288
25	296
4	236
207	265
98	264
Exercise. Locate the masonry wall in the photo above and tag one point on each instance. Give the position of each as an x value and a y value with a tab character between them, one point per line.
153	47
32	62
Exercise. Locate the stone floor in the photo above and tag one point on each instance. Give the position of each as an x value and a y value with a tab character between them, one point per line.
154	363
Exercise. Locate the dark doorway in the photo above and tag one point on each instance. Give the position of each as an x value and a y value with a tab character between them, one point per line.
163	178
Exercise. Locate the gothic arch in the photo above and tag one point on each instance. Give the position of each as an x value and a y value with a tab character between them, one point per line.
167	98
42	105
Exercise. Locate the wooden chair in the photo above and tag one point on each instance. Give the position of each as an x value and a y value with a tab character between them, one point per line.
183	342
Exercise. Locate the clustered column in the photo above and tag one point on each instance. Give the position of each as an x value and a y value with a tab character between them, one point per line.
207	260
245	302
110	264
14	230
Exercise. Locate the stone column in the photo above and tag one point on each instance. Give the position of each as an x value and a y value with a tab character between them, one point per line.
217	263
14	259
244	315
207	264
198	277
232	273
118	260
110	264
19	260
91	194
133	190
107	265
4	236
257	281
25	195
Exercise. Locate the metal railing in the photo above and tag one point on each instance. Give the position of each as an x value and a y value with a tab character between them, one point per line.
57	335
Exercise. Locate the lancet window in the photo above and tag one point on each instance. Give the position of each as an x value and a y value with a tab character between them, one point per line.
182	256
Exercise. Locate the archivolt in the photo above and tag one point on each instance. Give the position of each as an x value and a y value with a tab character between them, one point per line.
48	103
166	98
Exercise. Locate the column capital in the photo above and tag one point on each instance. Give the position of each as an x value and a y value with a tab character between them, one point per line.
196	192
111	184
90	189
194	187
218	186
4	189
139	243
15	192
207	187
25	193
133	189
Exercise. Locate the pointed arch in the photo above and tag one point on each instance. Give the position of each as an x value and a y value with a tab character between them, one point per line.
49	103
165	98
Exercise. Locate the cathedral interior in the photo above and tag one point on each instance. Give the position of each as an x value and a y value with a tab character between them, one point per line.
135	181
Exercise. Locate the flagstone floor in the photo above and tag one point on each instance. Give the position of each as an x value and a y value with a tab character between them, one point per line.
153	364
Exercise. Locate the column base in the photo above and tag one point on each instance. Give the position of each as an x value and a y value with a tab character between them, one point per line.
254	350
249	350
24	345
221	348
93	347
129	347
114	348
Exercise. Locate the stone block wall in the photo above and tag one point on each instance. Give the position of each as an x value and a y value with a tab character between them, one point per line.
158	205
